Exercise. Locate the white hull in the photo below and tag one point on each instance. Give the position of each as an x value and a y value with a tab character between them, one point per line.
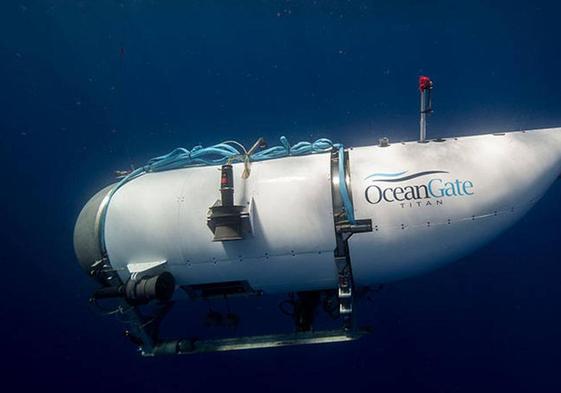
495	178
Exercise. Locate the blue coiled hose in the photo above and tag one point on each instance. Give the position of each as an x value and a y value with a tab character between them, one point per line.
223	153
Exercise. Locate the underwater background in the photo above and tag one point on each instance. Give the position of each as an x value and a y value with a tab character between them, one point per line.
89	87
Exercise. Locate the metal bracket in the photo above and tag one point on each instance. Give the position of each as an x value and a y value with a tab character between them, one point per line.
139	270
343	231
345	285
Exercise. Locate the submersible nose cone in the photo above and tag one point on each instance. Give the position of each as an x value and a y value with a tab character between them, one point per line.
87	245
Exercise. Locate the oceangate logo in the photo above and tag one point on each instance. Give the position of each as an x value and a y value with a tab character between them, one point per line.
431	192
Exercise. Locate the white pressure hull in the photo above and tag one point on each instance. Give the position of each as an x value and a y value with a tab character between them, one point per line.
419	221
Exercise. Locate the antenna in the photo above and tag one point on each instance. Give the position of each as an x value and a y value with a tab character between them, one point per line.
425	87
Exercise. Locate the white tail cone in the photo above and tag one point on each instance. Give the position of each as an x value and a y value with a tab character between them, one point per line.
485	184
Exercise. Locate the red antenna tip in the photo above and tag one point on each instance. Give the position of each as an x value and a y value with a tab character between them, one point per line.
424	83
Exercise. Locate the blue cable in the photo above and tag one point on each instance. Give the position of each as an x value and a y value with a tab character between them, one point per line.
221	154
347	204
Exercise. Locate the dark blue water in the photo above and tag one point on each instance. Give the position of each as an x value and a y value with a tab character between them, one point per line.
90	87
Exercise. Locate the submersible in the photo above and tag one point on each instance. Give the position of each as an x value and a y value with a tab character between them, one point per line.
320	221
